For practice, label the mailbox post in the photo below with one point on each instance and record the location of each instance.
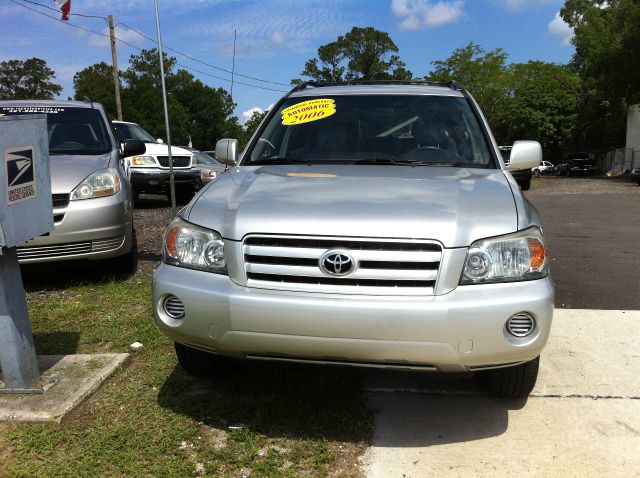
(26, 212)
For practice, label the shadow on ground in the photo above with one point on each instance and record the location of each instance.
(420, 420)
(288, 401)
(63, 275)
(423, 409)
(56, 343)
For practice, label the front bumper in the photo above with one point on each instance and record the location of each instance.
(154, 180)
(461, 331)
(98, 228)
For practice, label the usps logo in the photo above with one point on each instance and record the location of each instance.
(20, 174)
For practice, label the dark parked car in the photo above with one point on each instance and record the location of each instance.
(577, 164)
(635, 175)
(523, 176)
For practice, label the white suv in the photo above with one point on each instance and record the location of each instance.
(149, 173)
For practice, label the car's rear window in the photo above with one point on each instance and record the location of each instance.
(363, 129)
(71, 130)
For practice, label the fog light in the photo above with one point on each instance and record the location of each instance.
(521, 324)
(173, 307)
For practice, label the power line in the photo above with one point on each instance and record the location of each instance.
(200, 61)
(140, 49)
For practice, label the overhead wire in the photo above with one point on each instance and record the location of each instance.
(200, 61)
(140, 49)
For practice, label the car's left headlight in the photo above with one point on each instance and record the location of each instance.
(105, 182)
(509, 258)
(194, 247)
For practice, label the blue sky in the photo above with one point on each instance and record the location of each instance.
(275, 38)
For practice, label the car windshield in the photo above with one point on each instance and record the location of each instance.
(127, 131)
(204, 158)
(365, 129)
(581, 162)
(71, 130)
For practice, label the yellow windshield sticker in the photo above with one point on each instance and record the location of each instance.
(311, 110)
(311, 175)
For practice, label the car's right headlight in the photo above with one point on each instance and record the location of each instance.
(513, 257)
(143, 161)
(194, 247)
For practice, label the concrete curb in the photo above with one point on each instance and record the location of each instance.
(79, 376)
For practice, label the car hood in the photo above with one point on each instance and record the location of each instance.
(156, 149)
(67, 171)
(452, 205)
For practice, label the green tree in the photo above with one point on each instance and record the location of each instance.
(96, 82)
(607, 59)
(485, 75)
(27, 80)
(542, 106)
(208, 110)
(251, 125)
(361, 54)
(142, 97)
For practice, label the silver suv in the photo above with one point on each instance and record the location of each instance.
(365, 224)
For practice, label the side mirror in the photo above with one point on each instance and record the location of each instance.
(133, 147)
(525, 155)
(227, 151)
(160, 141)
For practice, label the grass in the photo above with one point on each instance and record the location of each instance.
(150, 419)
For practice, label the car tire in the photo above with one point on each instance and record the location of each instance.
(525, 185)
(135, 197)
(127, 263)
(198, 363)
(513, 382)
(536, 172)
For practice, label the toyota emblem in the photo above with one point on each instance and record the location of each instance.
(337, 263)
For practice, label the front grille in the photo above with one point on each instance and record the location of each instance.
(178, 161)
(70, 249)
(59, 200)
(385, 267)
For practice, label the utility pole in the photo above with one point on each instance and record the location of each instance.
(172, 183)
(114, 57)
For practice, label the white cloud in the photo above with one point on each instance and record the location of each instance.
(559, 29)
(520, 4)
(246, 115)
(122, 33)
(266, 29)
(420, 14)
(277, 38)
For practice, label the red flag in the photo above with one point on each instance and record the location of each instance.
(65, 7)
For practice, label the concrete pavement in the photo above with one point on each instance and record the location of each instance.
(582, 420)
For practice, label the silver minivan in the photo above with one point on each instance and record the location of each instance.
(91, 195)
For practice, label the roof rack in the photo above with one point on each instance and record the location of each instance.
(454, 85)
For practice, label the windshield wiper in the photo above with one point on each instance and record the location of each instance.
(401, 162)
